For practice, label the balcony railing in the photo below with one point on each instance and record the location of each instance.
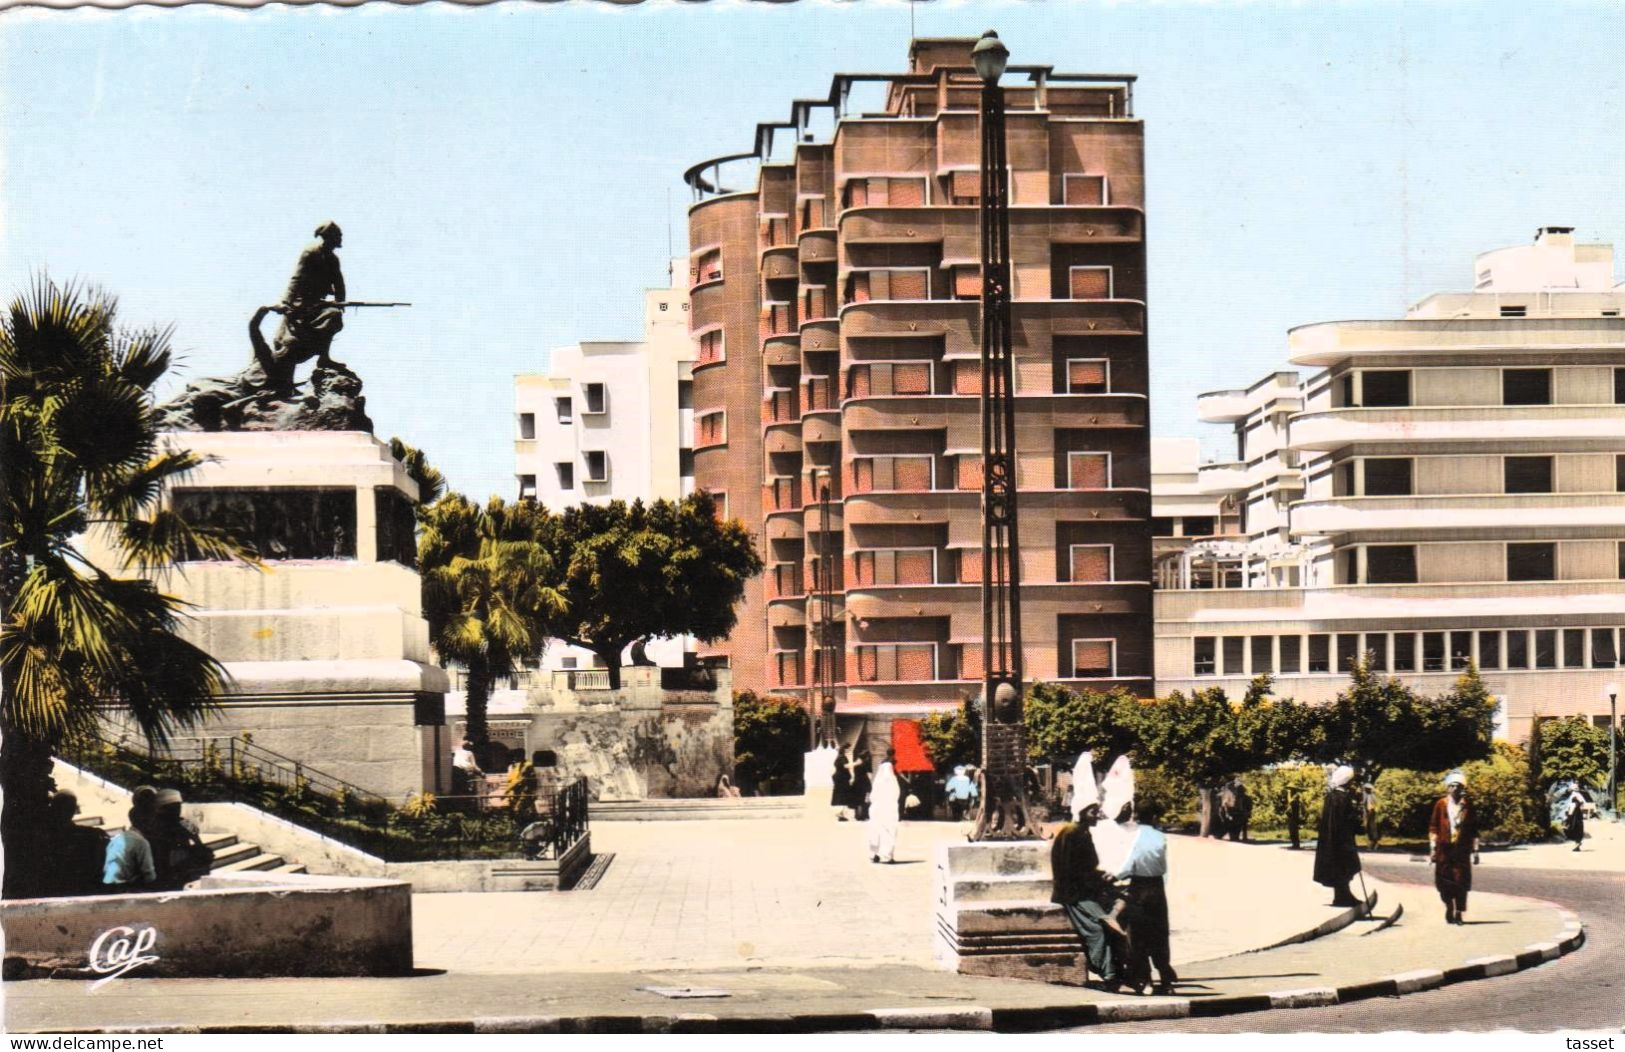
(906, 474)
(782, 494)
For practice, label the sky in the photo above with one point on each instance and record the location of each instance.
(514, 170)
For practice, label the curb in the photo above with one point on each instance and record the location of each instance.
(958, 1017)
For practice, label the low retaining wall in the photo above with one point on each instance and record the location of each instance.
(228, 924)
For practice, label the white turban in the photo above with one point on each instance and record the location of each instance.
(1117, 790)
(1456, 778)
(1084, 789)
(959, 772)
(1342, 776)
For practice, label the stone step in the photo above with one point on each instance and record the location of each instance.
(707, 809)
(218, 841)
(225, 857)
(253, 863)
(1020, 858)
(290, 867)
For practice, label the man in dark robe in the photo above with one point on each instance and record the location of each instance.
(1294, 815)
(1337, 858)
(840, 793)
(1082, 890)
(1453, 839)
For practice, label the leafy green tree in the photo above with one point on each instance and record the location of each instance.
(1573, 748)
(431, 483)
(80, 451)
(630, 572)
(953, 738)
(1062, 723)
(770, 740)
(1381, 723)
(487, 591)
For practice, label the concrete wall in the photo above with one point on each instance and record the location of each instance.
(230, 924)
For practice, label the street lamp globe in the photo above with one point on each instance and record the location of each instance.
(989, 57)
(1612, 690)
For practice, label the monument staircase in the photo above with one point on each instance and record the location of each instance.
(231, 854)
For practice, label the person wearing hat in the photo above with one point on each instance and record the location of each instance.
(1453, 840)
(129, 863)
(178, 852)
(960, 790)
(1368, 808)
(1337, 857)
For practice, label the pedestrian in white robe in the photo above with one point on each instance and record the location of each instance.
(1084, 790)
(884, 811)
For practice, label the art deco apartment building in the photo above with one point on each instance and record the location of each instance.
(1444, 488)
(836, 313)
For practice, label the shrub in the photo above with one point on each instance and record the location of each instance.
(770, 739)
(419, 806)
(1573, 748)
(952, 738)
(1175, 797)
(1498, 789)
(1405, 801)
(1268, 788)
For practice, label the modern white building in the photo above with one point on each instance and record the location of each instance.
(612, 420)
(1442, 488)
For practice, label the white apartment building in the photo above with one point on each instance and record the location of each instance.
(1443, 488)
(612, 420)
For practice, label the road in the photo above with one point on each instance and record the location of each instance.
(1582, 991)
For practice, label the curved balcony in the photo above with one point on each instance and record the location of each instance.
(1479, 511)
(1500, 424)
(781, 349)
(1221, 407)
(709, 304)
(781, 438)
(1327, 343)
(787, 613)
(909, 317)
(816, 246)
(821, 426)
(1221, 478)
(820, 334)
(783, 526)
(780, 261)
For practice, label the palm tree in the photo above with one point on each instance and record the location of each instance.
(487, 592)
(80, 451)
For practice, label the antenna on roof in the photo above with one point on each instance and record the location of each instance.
(911, 21)
(670, 272)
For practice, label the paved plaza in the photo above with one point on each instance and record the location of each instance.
(788, 925)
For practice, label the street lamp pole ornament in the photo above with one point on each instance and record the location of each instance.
(1613, 744)
(1004, 814)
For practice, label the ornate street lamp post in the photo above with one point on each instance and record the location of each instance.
(1613, 740)
(1004, 814)
(824, 585)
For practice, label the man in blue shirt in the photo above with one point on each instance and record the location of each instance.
(1147, 912)
(961, 792)
(129, 864)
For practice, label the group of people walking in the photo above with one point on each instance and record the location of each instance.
(159, 850)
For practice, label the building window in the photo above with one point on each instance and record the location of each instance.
(1489, 650)
(1198, 526)
(965, 186)
(685, 463)
(567, 475)
(1603, 654)
(897, 662)
(527, 426)
(527, 487)
(1619, 472)
(568, 662)
(1087, 376)
(1089, 283)
(1528, 474)
(1263, 655)
(564, 410)
(1376, 644)
(708, 267)
(597, 399)
(1546, 648)
(1390, 564)
(1461, 650)
(1405, 652)
(1517, 649)
(967, 282)
(1351, 566)
(1348, 652)
(1385, 387)
(1574, 648)
(1291, 655)
(1091, 563)
(1083, 190)
(1526, 387)
(1514, 312)
(1388, 477)
(1320, 653)
(1532, 562)
(1621, 560)
(711, 429)
(1094, 658)
(1088, 470)
(1205, 656)
(710, 348)
(1432, 651)
(1234, 652)
(597, 465)
(1619, 386)
(1162, 526)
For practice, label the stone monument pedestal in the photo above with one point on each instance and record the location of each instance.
(325, 642)
(994, 916)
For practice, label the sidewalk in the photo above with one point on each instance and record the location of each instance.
(853, 956)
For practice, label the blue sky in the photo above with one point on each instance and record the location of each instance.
(508, 168)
